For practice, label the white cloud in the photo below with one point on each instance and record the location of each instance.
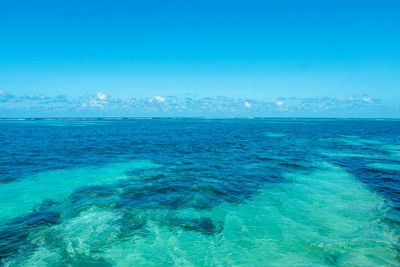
(159, 98)
(346, 99)
(102, 96)
(101, 103)
(368, 100)
(94, 103)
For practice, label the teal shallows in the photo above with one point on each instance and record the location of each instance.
(21, 197)
(211, 192)
(321, 217)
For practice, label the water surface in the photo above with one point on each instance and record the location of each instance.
(200, 192)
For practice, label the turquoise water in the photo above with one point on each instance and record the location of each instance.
(200, 192)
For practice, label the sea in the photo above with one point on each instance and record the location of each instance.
(199, 192)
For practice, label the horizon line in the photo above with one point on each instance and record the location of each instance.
(189, 117)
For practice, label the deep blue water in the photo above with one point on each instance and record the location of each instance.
(200, 192)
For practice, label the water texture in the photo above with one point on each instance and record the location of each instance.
(200, 192)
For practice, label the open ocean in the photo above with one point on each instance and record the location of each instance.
(200, 192)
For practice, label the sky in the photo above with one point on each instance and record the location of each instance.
(200, 58)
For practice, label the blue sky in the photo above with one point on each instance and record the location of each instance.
(275, 54)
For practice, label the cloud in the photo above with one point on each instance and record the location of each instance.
(159, 98)
(367, 99)
(101, 96)
(102, 104)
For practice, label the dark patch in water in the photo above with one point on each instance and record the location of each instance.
(292, 165)
(85, 261)
(99, 196)
(13, 235)
(132, 223)
(203, 225)
(45, 205)
(331, 258)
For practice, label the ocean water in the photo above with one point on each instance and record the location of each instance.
(200, 192)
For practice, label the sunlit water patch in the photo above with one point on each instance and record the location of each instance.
(386, 166)
(21, 197)
(275, 134)
(352, 140)
(353, 155)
